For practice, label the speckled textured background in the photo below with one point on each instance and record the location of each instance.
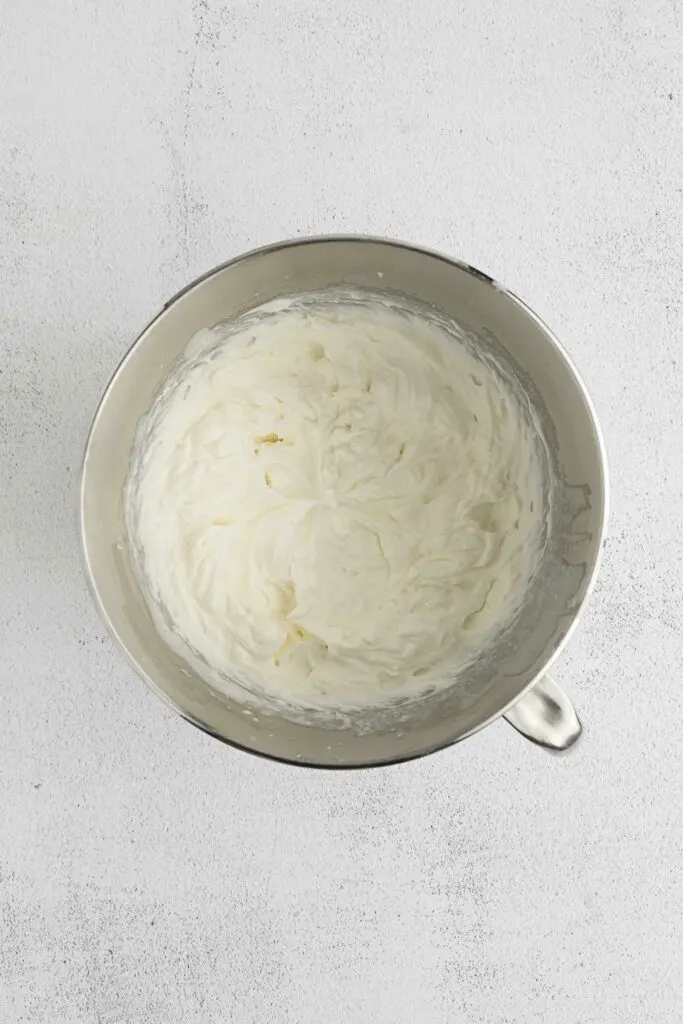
(150, 876)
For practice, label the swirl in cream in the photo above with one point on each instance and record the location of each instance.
(337, 504)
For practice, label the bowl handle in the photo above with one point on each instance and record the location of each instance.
(545, 716)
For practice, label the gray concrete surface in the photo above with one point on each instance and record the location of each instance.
(149, 876)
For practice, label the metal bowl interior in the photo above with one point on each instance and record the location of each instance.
(514, 661)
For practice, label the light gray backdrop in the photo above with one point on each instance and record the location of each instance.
(150, 876)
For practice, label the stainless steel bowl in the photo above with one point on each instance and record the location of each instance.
(510, 677)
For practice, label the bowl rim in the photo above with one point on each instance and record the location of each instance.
(356, 239)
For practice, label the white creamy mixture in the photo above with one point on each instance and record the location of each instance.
(338, 504)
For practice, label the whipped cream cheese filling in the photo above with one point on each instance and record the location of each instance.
(336, 504)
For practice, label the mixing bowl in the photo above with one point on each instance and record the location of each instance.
(509, 677)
